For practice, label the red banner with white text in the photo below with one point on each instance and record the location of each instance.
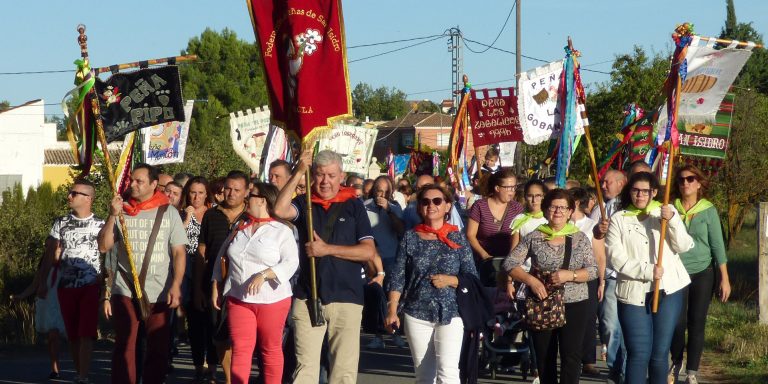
(303, 50)
(493, 116)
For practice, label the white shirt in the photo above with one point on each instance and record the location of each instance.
(586, 226)
(611, 206)
(272, 246)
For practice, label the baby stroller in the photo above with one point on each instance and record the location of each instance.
(505, 339)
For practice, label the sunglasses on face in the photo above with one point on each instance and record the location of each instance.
(435, 201)
(690, 179)
(75, 193)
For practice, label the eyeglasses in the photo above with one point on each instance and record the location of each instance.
(75, 193)
(510, 187)
(435, 200)
(690, 179)
(640, 191)
(254, 195)
(559, 208)
(534, 197)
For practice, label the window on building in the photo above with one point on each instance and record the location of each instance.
(406, 139)
(443, 139)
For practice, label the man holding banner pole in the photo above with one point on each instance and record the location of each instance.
(342, 244)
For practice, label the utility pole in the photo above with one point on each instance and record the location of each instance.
(457, 65)
(519, 166)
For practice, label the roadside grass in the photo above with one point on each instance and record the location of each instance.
(736, 343)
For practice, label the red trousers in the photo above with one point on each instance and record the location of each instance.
(249, 323)
(126, 324)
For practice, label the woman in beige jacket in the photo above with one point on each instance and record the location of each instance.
(632, 250)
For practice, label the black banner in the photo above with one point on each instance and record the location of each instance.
(139, 99)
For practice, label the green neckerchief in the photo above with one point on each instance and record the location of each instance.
(517, 224)
(635, 211)
(569, 229)
(688, 215)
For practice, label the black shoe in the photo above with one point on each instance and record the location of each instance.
(53, 376)
(590, 370)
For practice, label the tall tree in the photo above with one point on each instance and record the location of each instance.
(378, 104)
(754, 75)
(227, 77)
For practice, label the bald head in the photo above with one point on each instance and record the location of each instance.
(639, 166)
(612, 183)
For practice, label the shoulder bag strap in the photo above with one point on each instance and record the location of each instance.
(568, 250)
(503, 217)
(151, 243)
(222, 253)
(333, 214)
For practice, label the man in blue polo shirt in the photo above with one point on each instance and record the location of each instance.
(340, 253)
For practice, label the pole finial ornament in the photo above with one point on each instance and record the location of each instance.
(82, 40)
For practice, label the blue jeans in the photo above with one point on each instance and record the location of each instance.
(610, 330)
(648, 336)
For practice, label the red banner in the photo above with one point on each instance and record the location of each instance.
(494, 118)
(304, 54)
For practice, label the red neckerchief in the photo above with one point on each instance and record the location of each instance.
(133, 207)
(250, 220)
(345, 193)
(442, 233)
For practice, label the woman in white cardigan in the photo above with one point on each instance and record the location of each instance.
(632, 246)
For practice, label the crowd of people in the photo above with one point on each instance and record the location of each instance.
(234, 262)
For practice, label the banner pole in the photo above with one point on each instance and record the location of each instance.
(136, 64)
(314, 306)
(93, 96)
(727, 42)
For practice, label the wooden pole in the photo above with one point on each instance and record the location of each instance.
(519, 148)
(316, 317)
(83, 41)
(762, 251)
(136, 64)
(667, 189)
(727, 42)
(590, 148)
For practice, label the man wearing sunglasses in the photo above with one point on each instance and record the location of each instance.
(79, 264)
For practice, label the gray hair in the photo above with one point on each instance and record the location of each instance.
(326, 157)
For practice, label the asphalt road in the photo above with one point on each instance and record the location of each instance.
(390, 365)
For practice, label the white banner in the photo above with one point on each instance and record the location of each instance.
(353, 143)
(507, 153)
(166, 143)
(249, 133)
(537, 103)
(710, 74)
(276, 148)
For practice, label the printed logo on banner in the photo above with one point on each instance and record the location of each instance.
(353, 143)
(166, 143)
(494, 118)
(138, 99)
(538, 101)
(249, 133)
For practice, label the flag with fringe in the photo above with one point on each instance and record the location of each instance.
(78, 110)
(571, 107)
(303, 50)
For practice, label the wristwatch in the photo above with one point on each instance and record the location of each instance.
(263, 274)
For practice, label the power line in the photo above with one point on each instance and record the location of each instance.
(394, 50)
(526, 56)
(448, 89)
(393, 41)
(36, 72)
(500, 31)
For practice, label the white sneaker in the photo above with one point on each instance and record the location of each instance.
(376, 343)
(691, 379)
(398, 341)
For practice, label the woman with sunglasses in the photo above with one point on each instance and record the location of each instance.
(431, 257)
(489, 228)
(632, 245)
(528, 221)
(703, 223)
(546, 248)
(259, 263)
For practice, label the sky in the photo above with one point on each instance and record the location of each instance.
(42, 37)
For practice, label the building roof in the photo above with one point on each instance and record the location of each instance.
(11, 108)
(420, 119)
(64, 156)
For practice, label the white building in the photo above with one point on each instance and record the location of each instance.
(24, 135)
